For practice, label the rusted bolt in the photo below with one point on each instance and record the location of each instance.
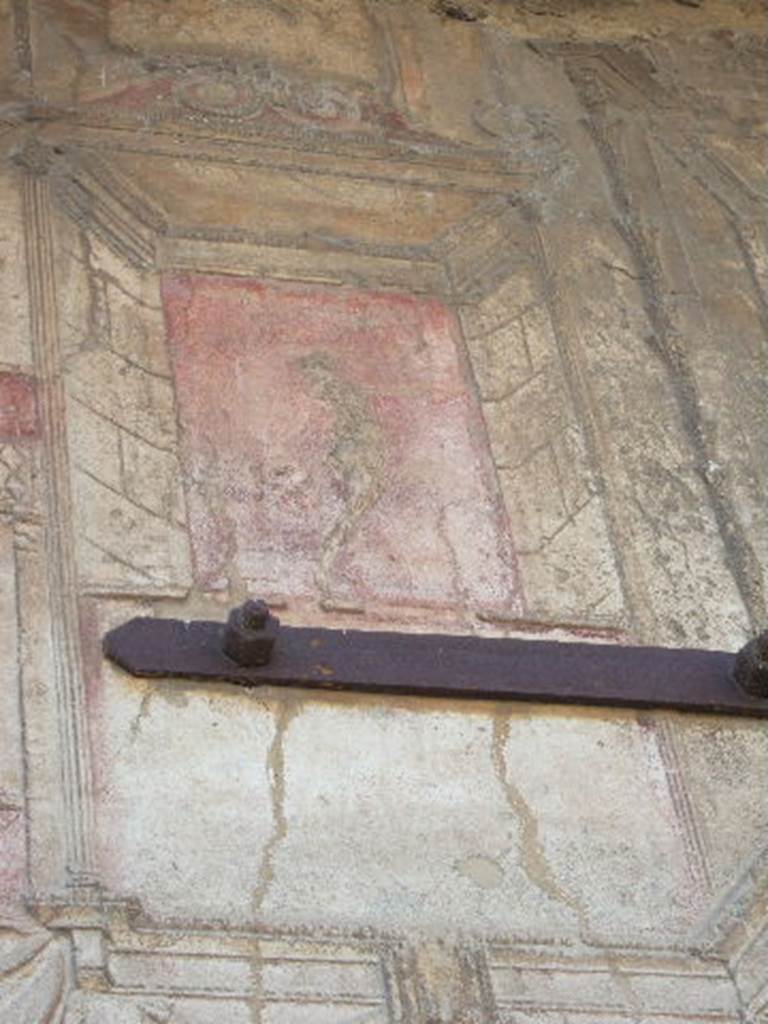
(751, 668)
(254, 614)
(250, 634)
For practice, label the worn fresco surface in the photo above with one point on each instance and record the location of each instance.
(403, 315)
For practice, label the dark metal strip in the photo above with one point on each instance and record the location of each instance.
(444, 666)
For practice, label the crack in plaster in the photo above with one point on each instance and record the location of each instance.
(533, 858)
(142, 713)
(275, 769)
(286, 711)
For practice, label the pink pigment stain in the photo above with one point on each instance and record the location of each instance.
(18, 408)
(333, 447)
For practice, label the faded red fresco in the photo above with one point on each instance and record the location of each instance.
(18, 408)
(333, 448)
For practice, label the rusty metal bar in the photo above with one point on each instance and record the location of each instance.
(433, 665)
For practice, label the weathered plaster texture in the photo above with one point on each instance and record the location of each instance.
(407, 315)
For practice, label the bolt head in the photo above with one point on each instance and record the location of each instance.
(254, 614)
(250, 634)
(751, 668)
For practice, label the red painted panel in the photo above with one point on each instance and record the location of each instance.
(18, 408)
(333, 447)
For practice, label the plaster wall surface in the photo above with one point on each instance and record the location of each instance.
(445, 317)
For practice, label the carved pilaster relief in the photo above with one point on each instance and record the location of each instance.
(58, 527)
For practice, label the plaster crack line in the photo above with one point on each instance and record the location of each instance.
(533, 859)
(275, 769)
(141, 714)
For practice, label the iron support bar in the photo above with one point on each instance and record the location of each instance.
(433, 665)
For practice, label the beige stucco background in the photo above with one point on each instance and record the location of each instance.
(406, 315)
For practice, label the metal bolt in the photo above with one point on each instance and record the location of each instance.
(250, 634)
(751, 668)
(254, 614)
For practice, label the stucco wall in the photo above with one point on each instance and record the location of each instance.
(445, 317)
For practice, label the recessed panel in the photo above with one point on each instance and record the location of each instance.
(333, 449)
